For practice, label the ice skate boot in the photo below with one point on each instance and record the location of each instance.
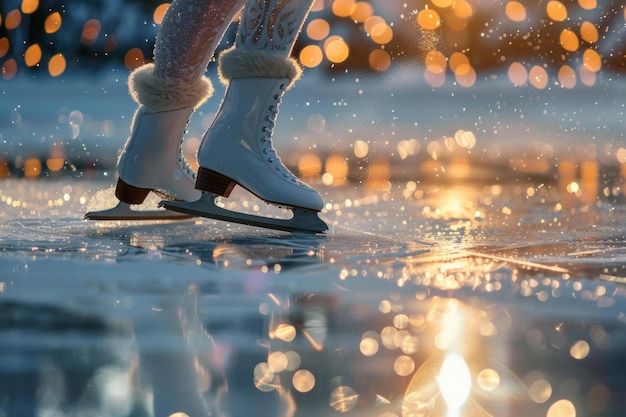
(152, 159)
(237, 149)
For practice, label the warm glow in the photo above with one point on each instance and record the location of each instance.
(318, 29)
(589, 32)
(309, 165)
(53, 22)
(428, 19)
(372, 21)
(9, 69)
(343, 8)
(443, 3)
(435, 62)
(336, 170)
(318, 6)
(381, 33)
(336, 49)
(458, 62)
(515, 11)
(455, 383)
(4, 46)
(488, 380)
(588, 4)
(556, 11)
(592, 60)
(465, 75)
(586, 76)
(91, 30)
(517, 74)
(567, 76)
(569, 40)
(562, 408)
(362, 11)
(538, 77)
(379, 60)
(361, 149)
(32, 168)
(12, 19)
(55, 164)
(32, 55)
(462, 9)
(311, 56)
(134, 58)
(159, 13)
(303, 380)
(56, 65)
(30, 6)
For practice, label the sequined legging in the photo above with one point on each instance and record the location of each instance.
(192, 30)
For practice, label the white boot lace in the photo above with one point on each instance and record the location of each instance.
(266, 139)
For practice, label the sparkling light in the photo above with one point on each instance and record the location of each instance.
(455, 383)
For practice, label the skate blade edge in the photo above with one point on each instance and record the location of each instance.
(302, 220)
(123, 211)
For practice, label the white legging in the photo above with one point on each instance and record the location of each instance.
(192, 30)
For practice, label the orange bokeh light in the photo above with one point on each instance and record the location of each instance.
(381, 33)
(30, 6)
(515, 11)
(91, 30)
(32, 55)
(343, 8)
(134, 58)
(5, 45)
(53, 22)
(12, 19)
(428, 19)
(567, 76)
(435, 62)
(318, 29)
(379, 60)
(362, 11)
(159, 13)
(57, 65)
(556, 11)
(9, 69)
(336, 49)
(592, 60)
(311, 56)
(538, 77)
(569, 40)
(589, 32)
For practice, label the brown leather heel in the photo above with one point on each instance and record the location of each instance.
(213, 182)
(130, 194)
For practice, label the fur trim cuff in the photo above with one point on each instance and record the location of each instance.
(158, 94)
(241, 62)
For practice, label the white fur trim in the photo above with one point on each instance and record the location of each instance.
(158, 94)
(240, 62)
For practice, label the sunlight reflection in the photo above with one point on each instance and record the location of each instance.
(455, 383)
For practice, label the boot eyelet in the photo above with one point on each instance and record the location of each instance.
(270, 160)
(263, 139)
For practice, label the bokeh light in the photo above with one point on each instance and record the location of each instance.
(52, 23)
(318, 29)
(311, 56)
(29, 6)
(13, 19)
(32, 55)
(429, 19)
(336, 49)
(379, 60)
(57, 65)
(515, 11)
(159, 13)
(556, 11)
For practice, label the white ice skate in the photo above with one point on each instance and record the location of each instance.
(152, 159)
(237, 149)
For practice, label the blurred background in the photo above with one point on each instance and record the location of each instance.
(531, 39)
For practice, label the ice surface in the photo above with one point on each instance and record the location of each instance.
(361, 320)
(505, 257)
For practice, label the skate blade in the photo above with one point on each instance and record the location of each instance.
(123, 211)
(302, 220)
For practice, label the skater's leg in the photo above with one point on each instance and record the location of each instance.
(167, 93)
(237, 148)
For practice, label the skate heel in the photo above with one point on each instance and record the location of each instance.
(130, 194)
(213, 182)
